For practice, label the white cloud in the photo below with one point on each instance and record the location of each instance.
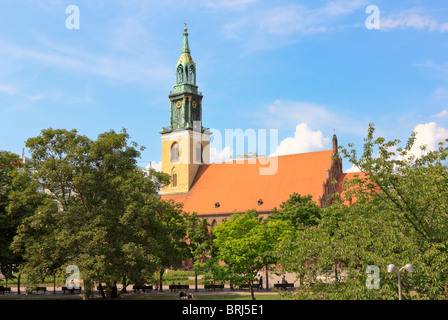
(341, 7)
(281, 113)
(304, 140)
(125, 68)
(444, 27)
(8, 89)
(412, 21)
(220, 156)
(442, 114)
(228, 3)
(442, 69)
(275, 26)
(428, 134)
(353, 169)
(413, 18)
(440, 94)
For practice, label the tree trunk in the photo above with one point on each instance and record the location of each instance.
(87, 289)
(54, 283)
(267, 279)
(109, 289)
(251, 287)
(195, 281)
(18, 282)
(161, 272)
(336, 272)
(124, 290)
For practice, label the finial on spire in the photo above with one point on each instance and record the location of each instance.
(185, 47)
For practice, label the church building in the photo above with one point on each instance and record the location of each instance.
(216, 191)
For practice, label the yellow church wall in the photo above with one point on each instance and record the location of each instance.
(185, 168)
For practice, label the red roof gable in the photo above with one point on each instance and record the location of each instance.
(237, 187)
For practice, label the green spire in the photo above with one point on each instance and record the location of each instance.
(185, 47)
(185, 69)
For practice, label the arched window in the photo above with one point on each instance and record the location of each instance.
(192, 75)
(186, 74)
(175, 152)
(180, 75)
(214, 223)
(198, 152)
(173, 178)
(178, 116)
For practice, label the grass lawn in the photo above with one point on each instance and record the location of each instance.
(178, 276)
(212, 297)
(229, 297)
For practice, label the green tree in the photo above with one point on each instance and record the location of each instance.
(171, 236)
(333, 257)
(411, 182)
(99, 210)
(9, 163)
(398, 216)
(246, 244)
(300, 211)
(199, 242)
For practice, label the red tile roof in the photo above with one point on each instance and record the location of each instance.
(347, 177)
(238, 187)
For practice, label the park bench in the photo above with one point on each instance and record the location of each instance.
(174, 287)
(137, 288)
(246, 286)
(5, 289)
(36, 289)
(284, 286)
(214, 286)
(71, 290)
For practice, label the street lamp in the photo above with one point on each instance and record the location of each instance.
(392, 268)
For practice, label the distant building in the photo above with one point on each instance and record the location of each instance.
(250, 155)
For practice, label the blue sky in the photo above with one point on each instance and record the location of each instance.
(305, 68)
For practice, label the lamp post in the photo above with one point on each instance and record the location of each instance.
(391, 268)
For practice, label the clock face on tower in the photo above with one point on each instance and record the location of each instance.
(178, 104)
(194, 104)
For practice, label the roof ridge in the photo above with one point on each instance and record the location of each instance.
(279, 156)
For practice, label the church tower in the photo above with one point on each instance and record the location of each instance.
(185, 143)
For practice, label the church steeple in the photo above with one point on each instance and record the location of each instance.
(185, 100)
(185, 143)
(185, 47)
(185, 68)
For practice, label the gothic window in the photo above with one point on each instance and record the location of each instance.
(178, 115)
(186, 74)
(180, 75)
(175, 152)
(198, 152)
(173, 178)
(192, 76)
(214, 223)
